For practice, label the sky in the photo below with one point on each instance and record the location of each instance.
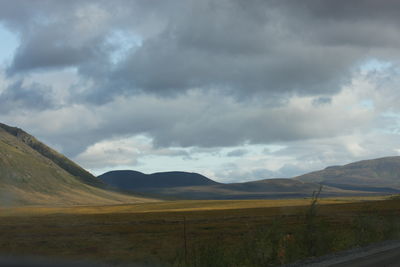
(234, 90)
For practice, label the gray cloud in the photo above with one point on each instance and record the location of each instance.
(261, 48)
(50, 37)
(237, 153)
(18, 96)
(34, 55)
(243, 50)
(197, 119)
(265, 48)
(321, 101)
(204, 74)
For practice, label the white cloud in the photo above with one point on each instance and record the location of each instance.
(111, 153)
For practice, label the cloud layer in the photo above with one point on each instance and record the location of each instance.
(309, 75)
(268, 48)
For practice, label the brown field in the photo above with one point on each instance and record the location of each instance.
(153, 232)
(174, 206)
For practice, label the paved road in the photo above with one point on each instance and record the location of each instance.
(389, 258)
(385, 254)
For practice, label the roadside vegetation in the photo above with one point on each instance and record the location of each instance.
(203, 233)
(287, 239)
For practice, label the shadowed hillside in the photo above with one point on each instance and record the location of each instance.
(131, 180)
(368, 177)
(32, 173)
(379, 175)
(183, 185)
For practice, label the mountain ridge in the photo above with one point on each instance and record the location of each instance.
(371, 173)
(27, 177)
(128, 179)
(33, 173)
(52, 155)
(381, 176)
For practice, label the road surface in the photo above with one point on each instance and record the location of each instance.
(385, 254)
(389, 258)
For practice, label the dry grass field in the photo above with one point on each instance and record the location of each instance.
(153, 233)
(175, 206)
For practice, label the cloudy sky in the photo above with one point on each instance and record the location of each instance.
(235, 90)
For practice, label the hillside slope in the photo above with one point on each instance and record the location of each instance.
(47, 152)
(264, 189)
(381, 174)
(33, 174)
(131, 180)
(195, 186)
(367, 177)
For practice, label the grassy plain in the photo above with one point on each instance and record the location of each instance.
(154, 232)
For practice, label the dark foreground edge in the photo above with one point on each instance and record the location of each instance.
(379, 254)
(27, 261)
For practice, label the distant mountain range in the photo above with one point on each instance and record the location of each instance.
(131, 180)
(32, 173)
(368, 177)
(378, 175)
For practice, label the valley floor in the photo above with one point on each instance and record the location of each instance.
(261, 231)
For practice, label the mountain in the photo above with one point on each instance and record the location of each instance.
(32, 173)
(264, 189)
(379, 175)
(182, 185)
(131, 180)
(368, 177)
